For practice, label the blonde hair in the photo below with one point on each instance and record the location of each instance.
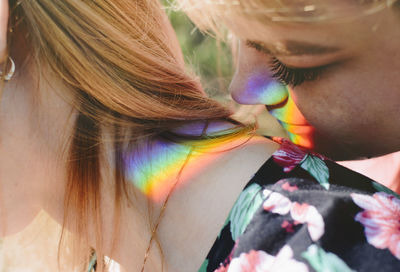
(209, 15)
(123, 76)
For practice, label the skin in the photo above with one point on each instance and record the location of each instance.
(352, 105)
(35, 126)
(3, 30)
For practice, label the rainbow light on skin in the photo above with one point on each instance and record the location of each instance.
(262, 88)
(293, 121)
(154, 167)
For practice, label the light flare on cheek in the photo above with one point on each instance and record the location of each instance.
(292, 120)
(288, 112)
(262, 89)
(303, 136)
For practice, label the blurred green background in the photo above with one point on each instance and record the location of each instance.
(206, 57)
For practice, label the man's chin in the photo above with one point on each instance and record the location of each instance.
(337, 152)
(344, 151)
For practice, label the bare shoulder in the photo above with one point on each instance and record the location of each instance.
(199, 204)
(237, 166)
(205, 202)
(225, 173)
(251, 155)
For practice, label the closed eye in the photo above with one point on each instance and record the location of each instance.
(293, 76)
(284, 74)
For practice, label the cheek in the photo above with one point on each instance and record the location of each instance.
(329, 109)
(348, 115)
(354, 96)
(336, 103)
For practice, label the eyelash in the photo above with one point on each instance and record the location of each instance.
(293, 76)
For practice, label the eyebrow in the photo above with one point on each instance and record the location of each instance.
(292, 48)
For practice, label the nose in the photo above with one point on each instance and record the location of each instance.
(257, 88)
(253, 82)
(260, 88)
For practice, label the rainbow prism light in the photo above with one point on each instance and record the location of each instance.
(262, 88)
(155, 167)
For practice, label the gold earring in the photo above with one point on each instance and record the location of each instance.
(10, 73)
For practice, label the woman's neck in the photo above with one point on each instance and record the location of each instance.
(35, 124)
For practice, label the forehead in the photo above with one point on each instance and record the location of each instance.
(290, 10)
(254, 16)
(340, 33)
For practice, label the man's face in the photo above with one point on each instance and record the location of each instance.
(343, 98)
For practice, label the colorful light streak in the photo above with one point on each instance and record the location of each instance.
(154, 167)
(293, 121)
(261, 88)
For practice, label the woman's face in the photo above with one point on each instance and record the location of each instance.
(344, 77)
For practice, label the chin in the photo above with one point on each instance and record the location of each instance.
(344, 151)
(354, 149)
(338, 154)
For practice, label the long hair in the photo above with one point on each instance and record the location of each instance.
(123, 77)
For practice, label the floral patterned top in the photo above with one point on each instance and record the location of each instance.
(302, 212)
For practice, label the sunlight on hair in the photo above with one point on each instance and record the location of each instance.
(209, 14)
(122, 75)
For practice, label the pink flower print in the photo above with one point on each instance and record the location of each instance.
(288, 155)
(260, 261)
(308, 214)
(301, 213)
(287, 226)
(284, 262)
(286, 186)
(252, 261)
(276, 203)
(381, 220)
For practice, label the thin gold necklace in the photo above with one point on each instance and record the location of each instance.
(162, 211)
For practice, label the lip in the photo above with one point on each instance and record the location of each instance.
(297, 129)
(288, 113)
(293, 122)
(300, 134)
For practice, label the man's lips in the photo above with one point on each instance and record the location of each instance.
(293, 121)
(287, 112)
(297, 129)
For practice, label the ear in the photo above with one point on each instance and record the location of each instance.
(4, 13)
